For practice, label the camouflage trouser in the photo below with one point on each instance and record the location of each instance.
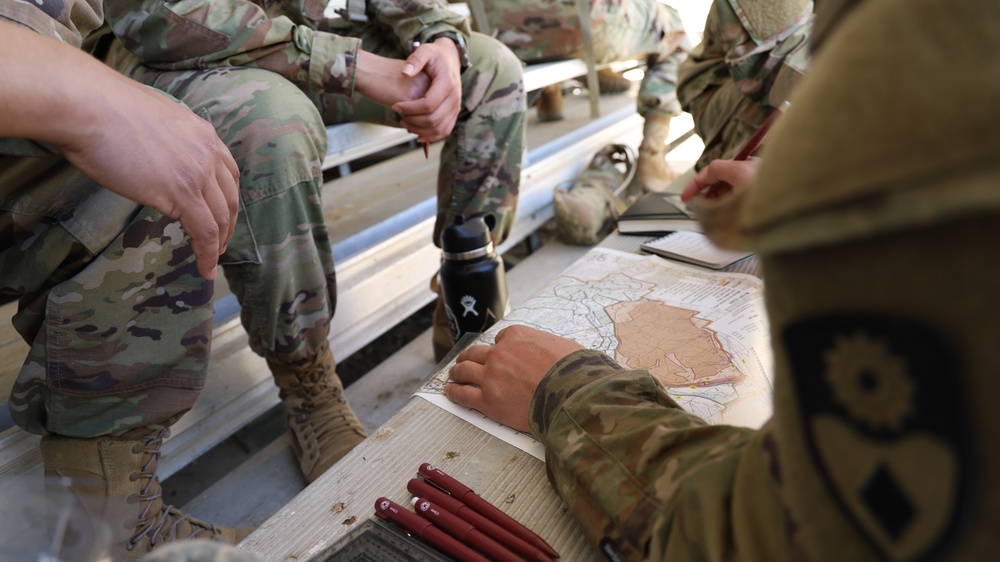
(481, 159)
(119, 321)
(89, 371)
(546, 30)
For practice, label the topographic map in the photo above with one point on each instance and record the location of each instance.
(702, 334)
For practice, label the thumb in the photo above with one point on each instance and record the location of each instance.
(414, 63)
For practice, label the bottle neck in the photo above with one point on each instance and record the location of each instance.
(470, 254)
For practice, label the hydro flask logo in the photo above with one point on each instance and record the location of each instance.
(469, 303)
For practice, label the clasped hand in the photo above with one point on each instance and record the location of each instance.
(425, 90)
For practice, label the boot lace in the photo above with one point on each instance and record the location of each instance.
(161, 523)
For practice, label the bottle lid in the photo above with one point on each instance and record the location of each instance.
(468, 234)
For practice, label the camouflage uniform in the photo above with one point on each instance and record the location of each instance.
(752, 55)
(547, 30)
(481, 159)
(883, 314)
(89, 371)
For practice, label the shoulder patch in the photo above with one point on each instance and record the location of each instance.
(881, 402)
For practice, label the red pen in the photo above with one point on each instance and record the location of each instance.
(463, 531)
(422, 489)
(416, 525)
(427, 150)
(464, 494)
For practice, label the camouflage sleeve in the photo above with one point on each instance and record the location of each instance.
(195, 34)
(71, 21)
(647, 480)
(417, 19)
(743, 70)
(705, 69)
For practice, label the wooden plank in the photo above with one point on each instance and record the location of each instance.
(345, 495)
(272, 474)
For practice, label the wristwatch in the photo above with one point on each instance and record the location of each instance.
(459, 40)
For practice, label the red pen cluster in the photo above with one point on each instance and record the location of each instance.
(450, 517)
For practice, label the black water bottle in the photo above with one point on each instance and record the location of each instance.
(472, 276)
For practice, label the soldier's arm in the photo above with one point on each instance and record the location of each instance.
(644, 478)
(104, 123)
(647, 480)
(196, 34)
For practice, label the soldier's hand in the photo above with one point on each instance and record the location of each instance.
(382, 80)
(499, 380)
(722, 185)
(156, 152)
(433, 116)
(720, 178)
(131, 139)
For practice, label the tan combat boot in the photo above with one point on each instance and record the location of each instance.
(323, 425)
(550, 104)
(612, 82)
(122, 471)
(651, 169)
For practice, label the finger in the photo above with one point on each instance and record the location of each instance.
(428, 128)
(441, 92)
(502, 334)
(415, 63)
(467, 372)
(215, 198)
(705, 178)
(476, 353)
(231, 188)
(204, 233)
(692, 189)
(465, 395)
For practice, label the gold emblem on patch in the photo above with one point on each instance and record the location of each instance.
(869, 381)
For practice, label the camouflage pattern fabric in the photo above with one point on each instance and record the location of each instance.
(883, 315)
(278, 263)
(586, 211)
(547, 30)
(742, 70)
(70, 21)
(111, 303)
(481, 159)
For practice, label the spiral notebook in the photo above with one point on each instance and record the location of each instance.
(695, 248)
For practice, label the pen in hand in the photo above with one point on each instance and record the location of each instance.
(751, 146)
